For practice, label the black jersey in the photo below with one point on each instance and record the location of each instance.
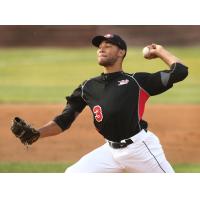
(117, 100)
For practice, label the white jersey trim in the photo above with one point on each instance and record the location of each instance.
(137, 82)
(138, 96)
(82, 87)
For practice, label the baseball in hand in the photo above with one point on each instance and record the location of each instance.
(146, 52)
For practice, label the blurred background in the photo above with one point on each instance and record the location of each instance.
(80, 36)
(41, 65)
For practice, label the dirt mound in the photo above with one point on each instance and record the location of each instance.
(177, 126)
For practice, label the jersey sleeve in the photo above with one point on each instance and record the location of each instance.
(75, 104)
(76, 100)
(161, 81)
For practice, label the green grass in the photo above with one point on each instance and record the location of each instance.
(187, 168)
(33, 167)
(60, 168)
(37, 75)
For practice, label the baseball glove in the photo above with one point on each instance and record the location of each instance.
(24, 131)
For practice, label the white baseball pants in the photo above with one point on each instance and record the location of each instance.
(145, 155)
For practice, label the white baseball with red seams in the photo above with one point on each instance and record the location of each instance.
(146, 52)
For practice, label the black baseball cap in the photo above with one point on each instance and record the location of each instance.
(112, 38)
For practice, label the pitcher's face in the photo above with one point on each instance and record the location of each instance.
(108, 54)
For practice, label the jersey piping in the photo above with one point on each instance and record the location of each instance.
(143, 96)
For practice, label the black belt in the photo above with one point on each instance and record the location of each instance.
(119, 145)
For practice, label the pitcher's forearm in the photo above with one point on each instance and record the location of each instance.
(168, 57)
(158, 51)
(50, 129)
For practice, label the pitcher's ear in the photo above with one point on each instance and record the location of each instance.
(122, 52)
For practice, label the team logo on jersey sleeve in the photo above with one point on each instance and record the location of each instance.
(123, 82)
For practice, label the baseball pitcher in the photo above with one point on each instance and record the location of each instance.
(117, 100)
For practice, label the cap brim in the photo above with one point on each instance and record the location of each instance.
(96, 41)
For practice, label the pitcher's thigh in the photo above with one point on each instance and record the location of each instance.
(151, 158)
(99, 160)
